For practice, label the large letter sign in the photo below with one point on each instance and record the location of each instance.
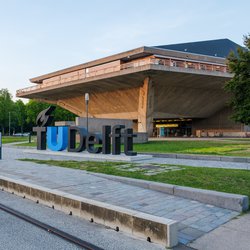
(72, 139)
(59, 138)
(43, 120)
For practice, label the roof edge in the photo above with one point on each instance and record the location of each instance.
(185, 55)
(146, 50)
(96, 62)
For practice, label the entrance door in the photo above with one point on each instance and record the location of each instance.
(173, 127)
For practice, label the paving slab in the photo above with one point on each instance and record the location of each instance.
(235, 202)
(191, 214)
(195, 217)
(87, 156)
(202, 157)
(212, 163)
(230, 236)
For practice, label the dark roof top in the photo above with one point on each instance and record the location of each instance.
(219, 47)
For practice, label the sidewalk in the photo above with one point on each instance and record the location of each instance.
(195, 218)
(201, 157)
(197, 162)
(230, 236)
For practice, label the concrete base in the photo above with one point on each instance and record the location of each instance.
(236, 202)
(160, 230)
(202, 157)
(87, 156)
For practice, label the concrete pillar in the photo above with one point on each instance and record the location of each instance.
(146, 107)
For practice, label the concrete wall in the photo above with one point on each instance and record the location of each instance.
(220, 121)
(65, 123)
(247, 128)
(219, 124)
(95, 126)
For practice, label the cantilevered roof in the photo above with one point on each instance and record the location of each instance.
(218, 48)
(214, 51)
(130, 55)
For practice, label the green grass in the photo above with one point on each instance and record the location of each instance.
(224, 180)
(226, 148)
(27, 144)
(11, 139)
(216, 147)
(238, 139)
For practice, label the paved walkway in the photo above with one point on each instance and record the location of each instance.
(202, 163)
(195, 218)
(230, 236)
(173, 161)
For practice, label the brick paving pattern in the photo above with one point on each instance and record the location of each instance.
(195, 218)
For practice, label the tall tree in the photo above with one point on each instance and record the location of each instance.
(63, 115)
(33, 108)
(20, 114)
(6, 109)
(239, 85)
(23, 116)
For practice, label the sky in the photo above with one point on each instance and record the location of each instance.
(42, 36)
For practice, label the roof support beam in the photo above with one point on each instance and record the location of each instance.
(66, 105)
(146, 107)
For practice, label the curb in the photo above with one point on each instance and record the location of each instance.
(19, 147)
(201, 157)
(160, 230)
(87, 156)
(234, 202)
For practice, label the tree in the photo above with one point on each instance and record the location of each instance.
(239, 85)
(6, 108)
(20, 114)
(23, 116)
(33, 108)
(63, 115)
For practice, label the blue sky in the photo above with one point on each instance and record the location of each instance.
(41, 36)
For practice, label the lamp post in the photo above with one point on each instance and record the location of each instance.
(87, 109)
(0, 146)
(9, 123)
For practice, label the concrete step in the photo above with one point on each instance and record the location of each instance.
(156, 229)
(87, 156)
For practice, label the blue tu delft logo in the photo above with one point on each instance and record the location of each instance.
(58, 138)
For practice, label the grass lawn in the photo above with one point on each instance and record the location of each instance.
(27, 144)
(238, 139)
(10, 139)
(224, 180)
(216, 147)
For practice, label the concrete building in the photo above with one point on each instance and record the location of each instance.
(169, 90)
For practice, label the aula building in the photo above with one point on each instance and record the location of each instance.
(164, 91)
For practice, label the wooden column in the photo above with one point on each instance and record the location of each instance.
(146, 107)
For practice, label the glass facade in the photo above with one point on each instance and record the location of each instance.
(172, 127)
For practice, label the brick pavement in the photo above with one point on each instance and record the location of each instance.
(195, 218)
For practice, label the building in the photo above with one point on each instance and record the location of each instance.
(168, 90)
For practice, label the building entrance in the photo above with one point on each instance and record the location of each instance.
(172, 127)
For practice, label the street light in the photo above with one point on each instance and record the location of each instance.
(9, 123)
(87, 109)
